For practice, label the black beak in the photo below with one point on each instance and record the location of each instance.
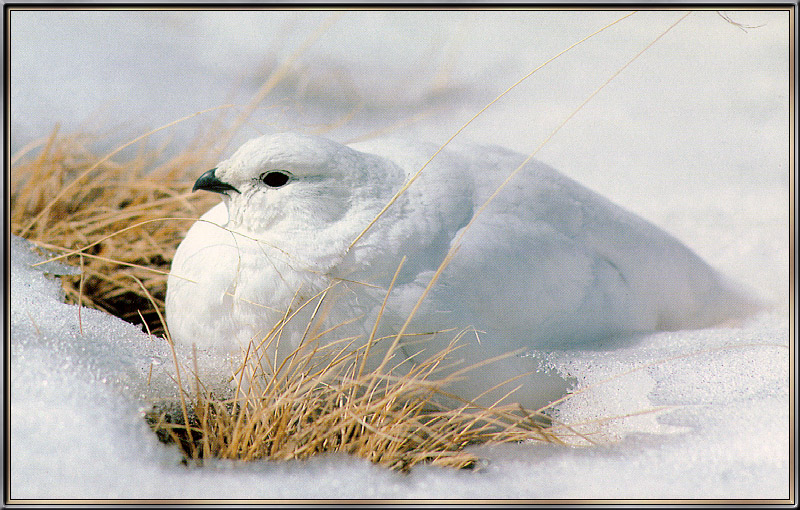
(209, 182)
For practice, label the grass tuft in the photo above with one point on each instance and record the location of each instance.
(63, 200)
(321, 400)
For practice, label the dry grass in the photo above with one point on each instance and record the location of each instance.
(321, 399)
(65, 197)
(121, 219)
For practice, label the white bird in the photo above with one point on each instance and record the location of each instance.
(548, 264)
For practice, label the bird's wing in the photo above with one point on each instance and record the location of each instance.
(551, 263)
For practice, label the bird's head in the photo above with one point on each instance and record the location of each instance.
(290, 182)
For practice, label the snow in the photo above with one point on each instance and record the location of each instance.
(692, 136)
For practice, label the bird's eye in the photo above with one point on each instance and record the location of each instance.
(275, 179)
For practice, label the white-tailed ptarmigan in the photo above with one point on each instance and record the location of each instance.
(548, 264)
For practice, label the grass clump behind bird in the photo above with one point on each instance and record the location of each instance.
(121, 218)
(118, 216)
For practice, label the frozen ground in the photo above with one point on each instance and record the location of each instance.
(693, 136)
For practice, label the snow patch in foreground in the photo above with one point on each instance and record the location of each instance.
(77, 427)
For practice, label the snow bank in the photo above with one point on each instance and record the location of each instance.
(78, 430)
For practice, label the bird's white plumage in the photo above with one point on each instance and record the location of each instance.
(547, 265)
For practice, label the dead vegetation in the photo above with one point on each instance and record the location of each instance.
(321, 400)
(122, 214)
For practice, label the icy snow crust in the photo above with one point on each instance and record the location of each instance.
(700, 413)
(78, 400)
